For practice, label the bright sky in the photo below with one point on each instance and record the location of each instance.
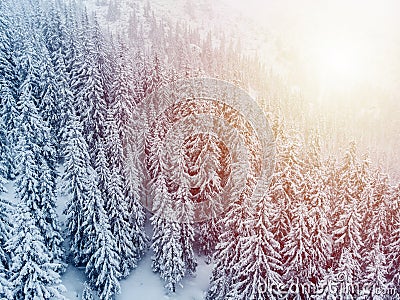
(335, 45)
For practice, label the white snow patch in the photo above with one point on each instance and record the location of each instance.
(144, 284)
(73, 280)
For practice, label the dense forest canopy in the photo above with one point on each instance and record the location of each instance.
(69, 97)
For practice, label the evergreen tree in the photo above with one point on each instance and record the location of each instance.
(92, 243)
(297, 253)
(348, 222)
(208, 242)
(348, 272)
(100, 52)
(316, 195)
(132, 196)
(77, 67)
(117, 211)
(99, 248)
(87, 293)
(49, 102)
(203, 167)
(376, 238)
(7, 37)
(376, 273)
(168, 254)
(35, 183)
(287, 182)
(94, 116)
(75, 183)
(117, 205)
(161, 199)
(9, 115)
(34, 276)
(51, 227)
(394, 253)
(101, 167)
(259, 269)
(114, 142)
(230, 248)
(379, 217)
(183, 206)
(65, 96)
(328, 286)
(348, 230)
(347, 236)
(123, 92)
(56, 37)
(5, 233)
(171, 259)
(88, 85)
(321, 236)
(353, 185)
(347, 177)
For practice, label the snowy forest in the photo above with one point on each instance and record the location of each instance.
(72, 171)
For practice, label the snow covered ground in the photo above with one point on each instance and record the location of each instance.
(146, 285)
(143, 284)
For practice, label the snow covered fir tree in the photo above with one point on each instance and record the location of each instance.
(76, 175)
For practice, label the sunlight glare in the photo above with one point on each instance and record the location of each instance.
(340, 62)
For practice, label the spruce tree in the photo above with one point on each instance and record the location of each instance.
(393, 249)
(117, 211)
(316, 195)
(87, 293)
(56, 37)
(321, 236)
(354, 190)
(49, 103)
(92, 243)
(348, 271)
(75, 181)
(34, 275)
(258, 275)
(51, 227)
(297, 253)
(328, 286)
(7, 38)
(123, 92)
(166, 245)
(7, 133)
(347, 237)
(161, 199)
(173, 266)
(100, 253)
(117, 203)
(376, 239)
(202, 167)
(230, 248)
(132, 196)
(185, 213)
(5, 234)
(376, 273)
(101, 166)
(286, 187)
(179, 188)
(35, 183)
